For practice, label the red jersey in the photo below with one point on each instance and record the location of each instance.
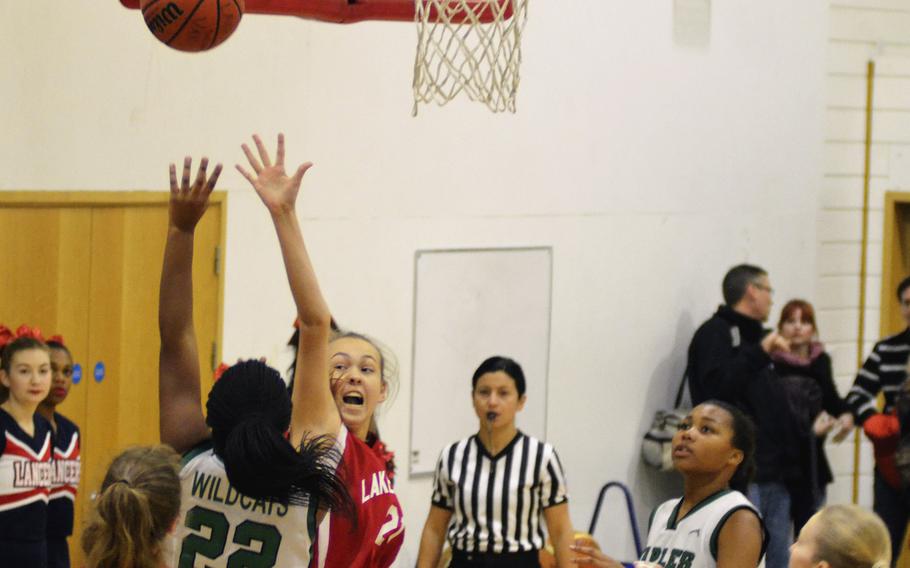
(379, 533)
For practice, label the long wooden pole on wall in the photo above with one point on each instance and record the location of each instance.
(861, 335)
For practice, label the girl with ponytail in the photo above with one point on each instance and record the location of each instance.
(134, 510)
(712, 525)
(257, 466)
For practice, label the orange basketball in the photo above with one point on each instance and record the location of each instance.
(192, 25)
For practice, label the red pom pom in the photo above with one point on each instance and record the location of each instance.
(881, 427)
(6, 336)
(26, 331)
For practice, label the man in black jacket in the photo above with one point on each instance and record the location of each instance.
(729, 360)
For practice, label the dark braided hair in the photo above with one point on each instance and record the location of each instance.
(249, 412)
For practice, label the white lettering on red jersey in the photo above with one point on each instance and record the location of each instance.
(379, 533)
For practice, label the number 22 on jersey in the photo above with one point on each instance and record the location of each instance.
(392, 526)
(265, 538)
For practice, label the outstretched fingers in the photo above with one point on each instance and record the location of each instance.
(298, 177)
(254, 163)
(173, 172)
(199, 182)
(279, 153)
(185, 179)
(249, 177)
(263, 153)
(210, 185)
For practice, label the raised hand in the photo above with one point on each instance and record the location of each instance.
(275, 188)
(189, 202)
(775, 342)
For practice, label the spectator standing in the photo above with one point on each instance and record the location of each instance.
(730, 360)
(808, 377)
(884, 371)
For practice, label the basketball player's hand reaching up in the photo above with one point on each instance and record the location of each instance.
(277, 190)
(189, 202)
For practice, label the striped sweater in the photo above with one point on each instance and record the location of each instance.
(884, 371)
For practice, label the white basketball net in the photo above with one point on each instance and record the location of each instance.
(458, 52)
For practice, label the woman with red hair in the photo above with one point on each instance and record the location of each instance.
(805, 371)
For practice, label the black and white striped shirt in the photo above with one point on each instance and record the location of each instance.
(884, 370)
(497, 501)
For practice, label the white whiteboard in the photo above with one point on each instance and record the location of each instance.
(470, 305)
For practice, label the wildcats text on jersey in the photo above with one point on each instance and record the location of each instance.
(210, 488)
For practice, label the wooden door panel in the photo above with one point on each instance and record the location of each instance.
(45, 283)
(143, 236)
(96, 282)
(45, 257)
(73, 261)
(207, 293)
(72, 311)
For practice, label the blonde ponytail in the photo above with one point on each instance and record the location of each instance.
(137, 505)
(849, 536)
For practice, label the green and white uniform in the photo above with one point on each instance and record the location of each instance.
(691, 542)
(219, 527)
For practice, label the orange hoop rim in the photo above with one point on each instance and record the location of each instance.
(345, 12)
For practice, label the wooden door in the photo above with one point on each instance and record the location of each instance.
(96, 282)
(51, 293)
(895, 267)
(895, 260)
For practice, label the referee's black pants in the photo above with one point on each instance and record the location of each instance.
(528, 559)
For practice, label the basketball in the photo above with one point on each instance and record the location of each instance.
(192, 25)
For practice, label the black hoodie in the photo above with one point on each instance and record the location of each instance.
(726, 362)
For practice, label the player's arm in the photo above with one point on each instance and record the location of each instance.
(739, 544)
(181, 423)
(559, 527)
(314, 409)
(433, 537)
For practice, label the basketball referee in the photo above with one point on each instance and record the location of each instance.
(491, 489)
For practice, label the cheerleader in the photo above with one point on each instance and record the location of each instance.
(66, 456)
(25, 452)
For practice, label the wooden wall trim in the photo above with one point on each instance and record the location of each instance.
(91, 198)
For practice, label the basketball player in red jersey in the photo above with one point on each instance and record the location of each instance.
(358, 382)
